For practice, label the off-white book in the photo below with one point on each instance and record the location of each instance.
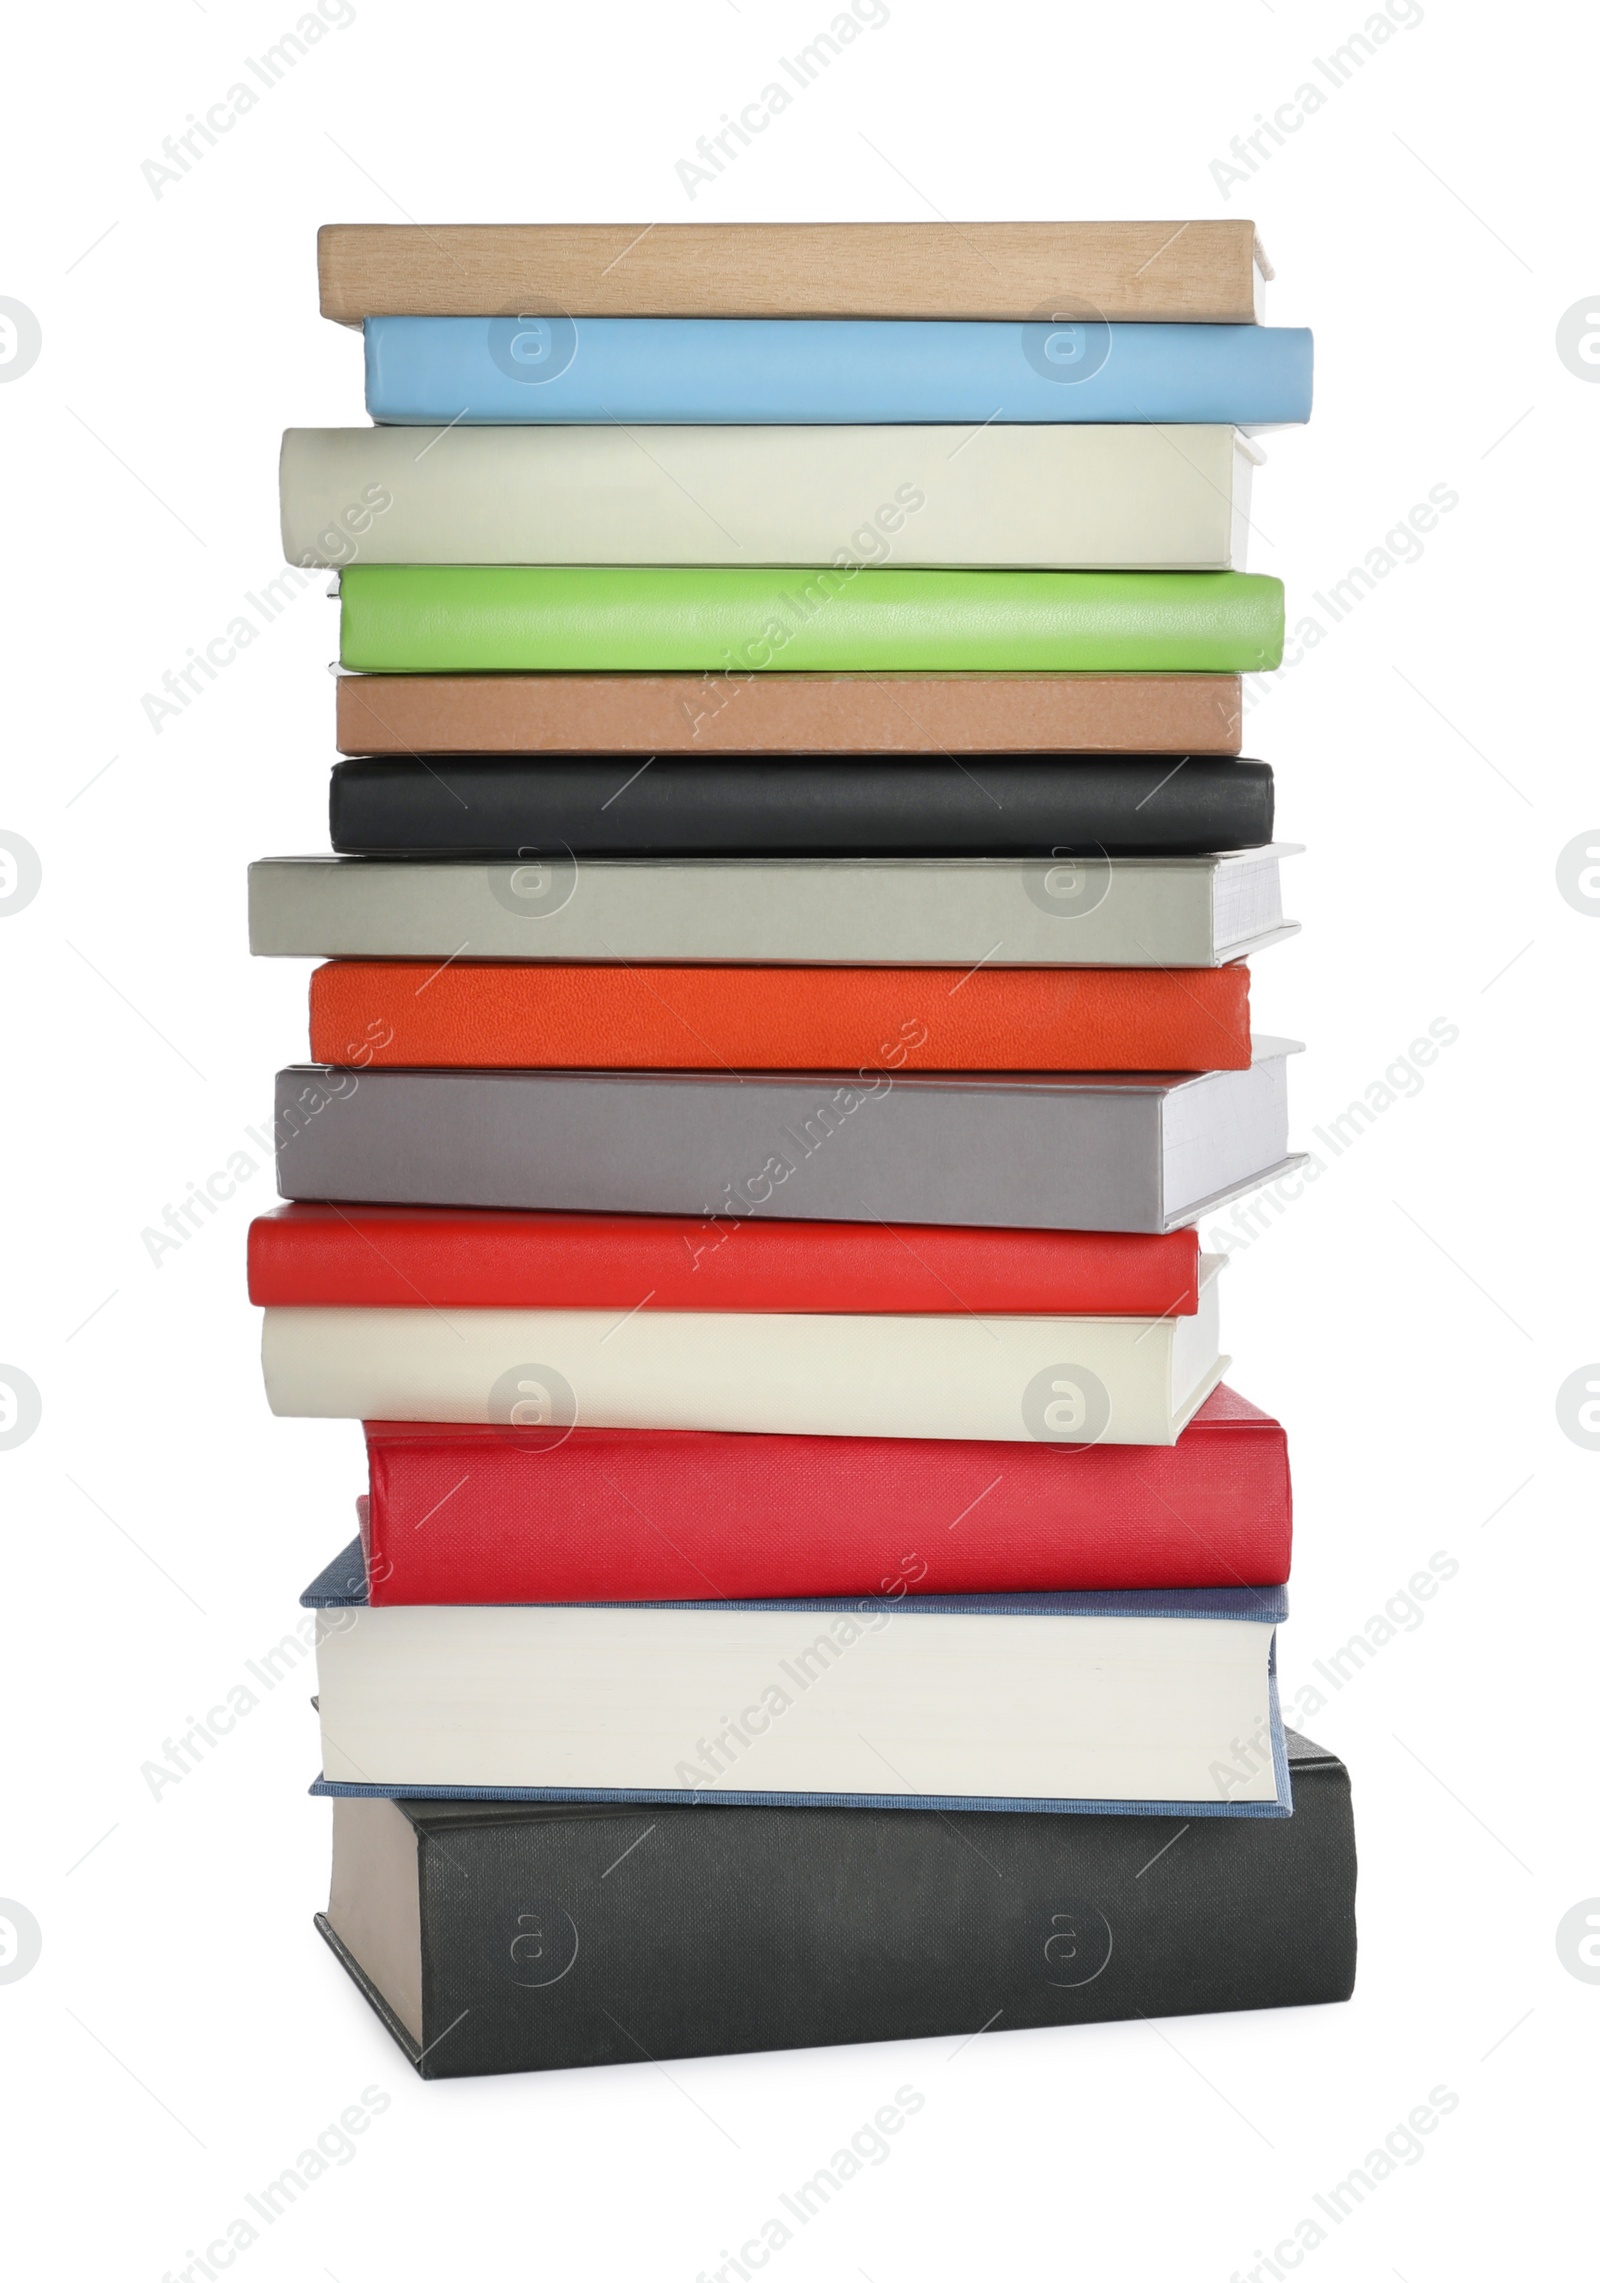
(538, 1371)
(1048, 495)
(1070, 911)
(883, 1704)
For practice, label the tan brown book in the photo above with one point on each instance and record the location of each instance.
(1145, 272)
(788, 713)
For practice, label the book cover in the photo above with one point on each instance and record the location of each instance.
(329, 1256)
(422, 618)
(912, 805)
(1056, 1704)
(492, 1938)
(1063, 911)
(498, 1015)
(1113, 1150)
(616, 1514)
(774, 713)
(1130, 498)
(1193, 272)
(835, 373)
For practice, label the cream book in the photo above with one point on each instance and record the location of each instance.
(1072, 911)
(1052, 1379)
(1038, 495)
(1136, 1703)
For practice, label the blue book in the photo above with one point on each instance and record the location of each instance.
(1150, 1703)
(426, 371)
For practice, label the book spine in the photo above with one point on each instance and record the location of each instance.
(1018, 805)
(502, 1016)
(469, 1519)
(714, 1263)
(785, 714)
(1036, 1921)
(831, 1149)
(411, 618)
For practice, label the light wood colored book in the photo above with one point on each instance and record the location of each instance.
(1198, 272)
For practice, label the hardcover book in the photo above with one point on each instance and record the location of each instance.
(492, 1937)
(1178, 272)
(424, 618)
(633, 1514)
(331, 1256)
(908, 805)
(1154, 498)
(746, 713)
(1055, 1703)
(525, 1015)
(1110, 1151)
(970, 1378)
(1067, 911)
(1047, 373)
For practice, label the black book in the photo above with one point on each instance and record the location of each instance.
(923, 805)
(496, 1936)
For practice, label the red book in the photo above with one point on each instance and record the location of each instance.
(368, 1256)
(462, 1514)
(507, 1014)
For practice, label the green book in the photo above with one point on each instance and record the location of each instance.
(418, 618)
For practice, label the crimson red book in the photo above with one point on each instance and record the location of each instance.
(365, 1256)
(500, 1514)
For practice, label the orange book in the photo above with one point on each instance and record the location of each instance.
(494, 1015)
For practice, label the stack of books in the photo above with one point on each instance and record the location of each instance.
(785, 1009)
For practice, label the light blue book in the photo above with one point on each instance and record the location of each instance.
(435, 371)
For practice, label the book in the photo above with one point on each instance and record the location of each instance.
(649, 370)
(904, 805)
(424, 618)
(1178, 272)
(535, 1372)
(1110, 1151)
(914, 714)
(457, 1513)
(490, 1937)
(1089, 911)
(1053, 1703)
(528, 1015)
(1156, 498)
(331, 1256)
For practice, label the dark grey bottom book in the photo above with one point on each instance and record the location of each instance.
(497, 1936)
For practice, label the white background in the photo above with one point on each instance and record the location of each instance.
(1410, 1317)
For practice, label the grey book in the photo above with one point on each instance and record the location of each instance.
(1074, 910)
(1136, 1151)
